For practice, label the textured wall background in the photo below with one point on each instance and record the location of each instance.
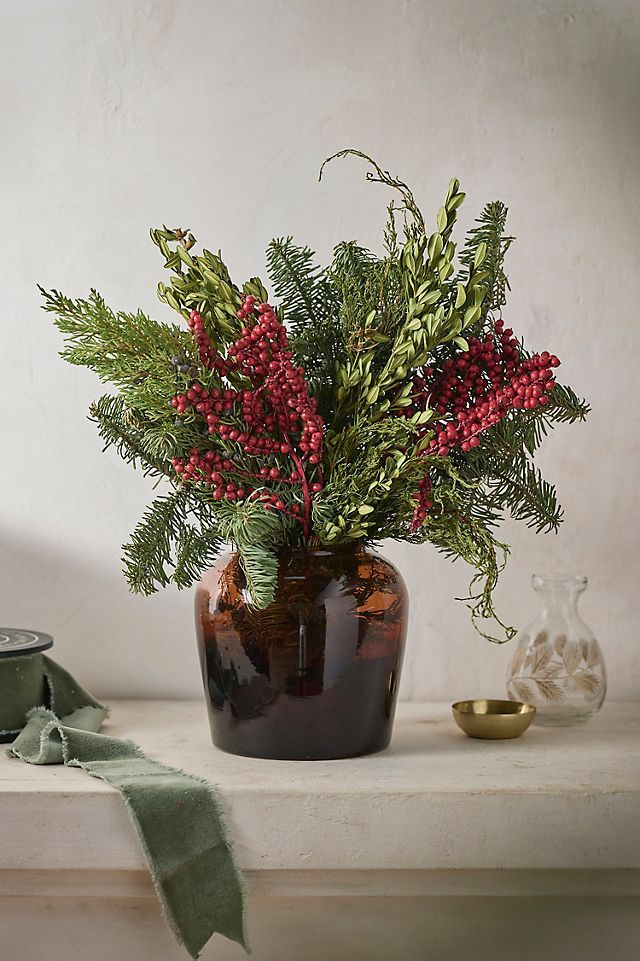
(216, 115)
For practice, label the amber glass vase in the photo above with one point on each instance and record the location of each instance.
(313, 676)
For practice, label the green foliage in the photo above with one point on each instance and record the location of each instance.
(505, 480)
(199, 283)
(502, 476)
(399, 309)
(565, 406)
(458, 535)
(310, 308)
(489, 238)
(378, 175)
(166, 548)
(371, 484)
(181, 533)
(257, 535)
(364, 329)
(300, 284)
(130, 351)
(126, 429)
(527, 496)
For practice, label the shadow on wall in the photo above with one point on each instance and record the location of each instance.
(117, 644)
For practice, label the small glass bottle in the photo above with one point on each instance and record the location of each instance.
(558, 665)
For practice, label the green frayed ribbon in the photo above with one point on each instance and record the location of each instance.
(177, 816)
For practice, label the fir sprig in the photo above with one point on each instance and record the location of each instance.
(310, 308)
(127, 430)
(149, 559)
(490, 236)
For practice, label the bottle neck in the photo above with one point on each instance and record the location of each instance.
(561, 603)
(559, 594)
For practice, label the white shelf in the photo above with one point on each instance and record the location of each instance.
(557, 799)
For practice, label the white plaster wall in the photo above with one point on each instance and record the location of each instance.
(120, 115)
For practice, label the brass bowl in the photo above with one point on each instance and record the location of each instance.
(493, 719)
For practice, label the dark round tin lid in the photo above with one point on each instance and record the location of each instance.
(15, 641)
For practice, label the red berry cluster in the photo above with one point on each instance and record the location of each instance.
(476, 390)
(284, 405)
(208, 468)
(205, 349)
(472, 374)
(274, 419)
(422, 497)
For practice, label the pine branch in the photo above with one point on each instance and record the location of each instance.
(147, 557)
(506, 439)
(504, 478)
(528, 497)
(120, 347)
(130, 351)
(310, 304)
(260, 567)
(148, 554)
(565, 407)
(490, 235)
(299, 283)
(196, 550)
(351, 264)
(125, 429)
(257, 534)
(535, 427)
(181, 533)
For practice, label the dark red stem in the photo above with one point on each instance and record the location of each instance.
(306, 493)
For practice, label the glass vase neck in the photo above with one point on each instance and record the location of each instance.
(558, 590)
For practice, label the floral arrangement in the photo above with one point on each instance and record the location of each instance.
(382, 397)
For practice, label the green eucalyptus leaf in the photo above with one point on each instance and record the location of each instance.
(455, 201)
(454, 183)
(471, 315)
(481, 254)
(434, 247)
(372, 394)
(432, 297)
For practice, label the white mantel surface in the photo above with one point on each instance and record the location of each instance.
(557, 798)
(439, 844)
